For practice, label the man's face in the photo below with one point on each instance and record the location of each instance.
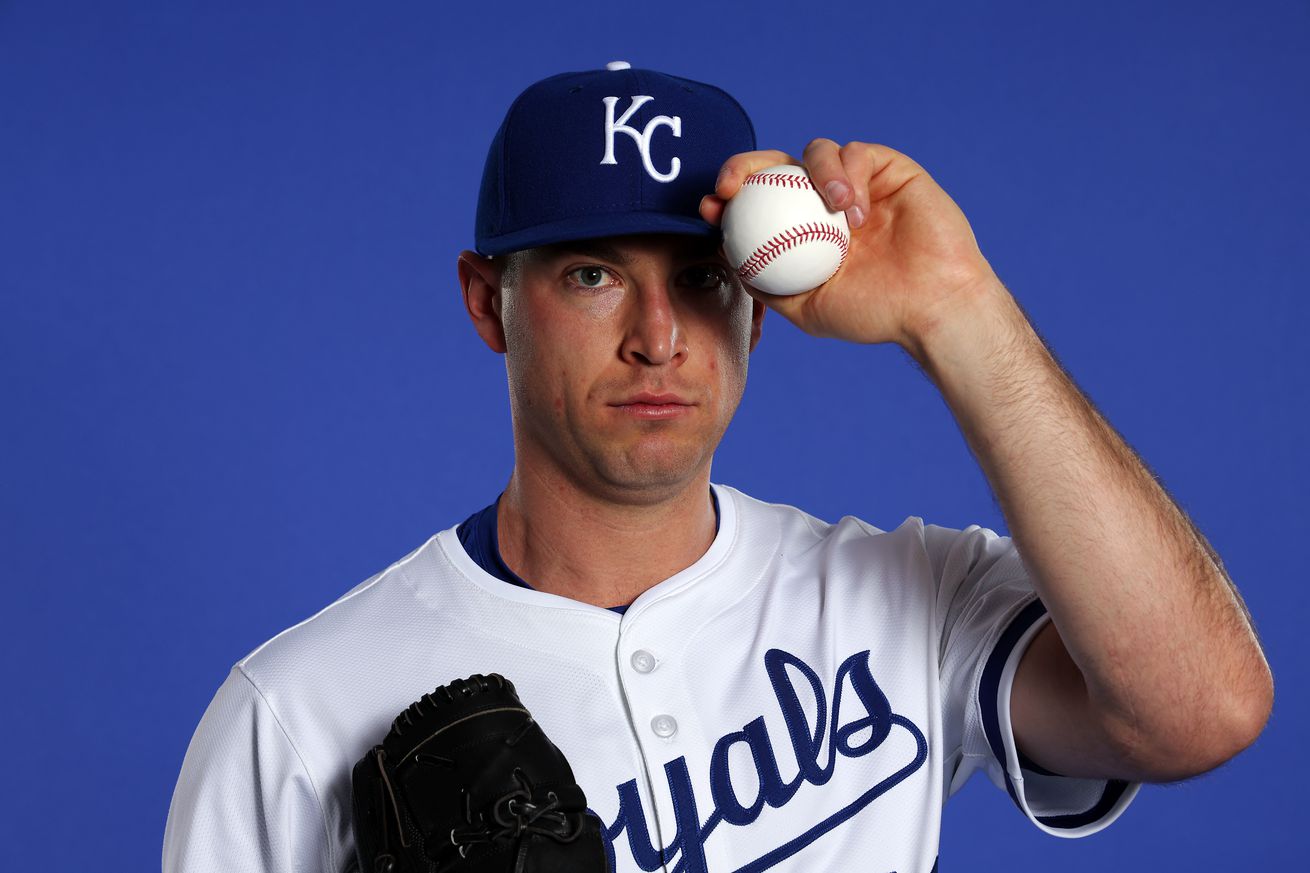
(626, 358)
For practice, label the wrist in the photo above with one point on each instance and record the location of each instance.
(981, 310)
(981, 317)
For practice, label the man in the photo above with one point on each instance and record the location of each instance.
(738, 685)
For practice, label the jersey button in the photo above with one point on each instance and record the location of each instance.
(664, 726)
(643, 661)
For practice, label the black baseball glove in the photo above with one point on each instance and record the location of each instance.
(467, 781)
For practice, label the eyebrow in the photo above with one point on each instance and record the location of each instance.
(603, 251)
(590, 249)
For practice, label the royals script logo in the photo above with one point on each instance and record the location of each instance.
(641, 137)
(852, 730)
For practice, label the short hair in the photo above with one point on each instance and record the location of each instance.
(511, 267)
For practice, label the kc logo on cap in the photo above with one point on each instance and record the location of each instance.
(641, 138)
(609, 152)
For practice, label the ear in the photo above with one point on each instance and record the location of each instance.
(757, 321)
(479, 277)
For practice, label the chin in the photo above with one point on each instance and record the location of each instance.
(646, 467)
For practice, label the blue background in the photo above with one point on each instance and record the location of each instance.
(238, 378)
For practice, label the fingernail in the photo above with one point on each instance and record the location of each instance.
(836, 191)
(855, 216)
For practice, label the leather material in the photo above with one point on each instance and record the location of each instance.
(466, 780)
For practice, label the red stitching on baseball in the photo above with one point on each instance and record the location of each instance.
(789, 238)
(780, 180)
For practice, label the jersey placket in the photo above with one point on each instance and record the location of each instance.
(668, 732)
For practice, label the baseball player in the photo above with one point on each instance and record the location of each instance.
(738, 685)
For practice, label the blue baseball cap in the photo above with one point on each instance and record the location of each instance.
(603, 153)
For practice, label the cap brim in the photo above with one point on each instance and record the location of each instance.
(594, 226)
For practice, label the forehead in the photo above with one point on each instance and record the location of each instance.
(624, 250)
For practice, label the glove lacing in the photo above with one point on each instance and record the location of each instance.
(517, 817)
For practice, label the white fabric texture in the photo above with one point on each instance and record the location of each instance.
(817, 691)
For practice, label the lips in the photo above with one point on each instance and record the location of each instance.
(649, 406)
(649, 399)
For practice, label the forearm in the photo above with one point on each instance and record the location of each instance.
(1144, 609)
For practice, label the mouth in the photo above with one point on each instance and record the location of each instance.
(655, 406)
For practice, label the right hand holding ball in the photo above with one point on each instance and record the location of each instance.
(908, 259)
(779, 234)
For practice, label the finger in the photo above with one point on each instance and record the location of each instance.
(857, 160)
(741, 165)
(891, 171)
(711, 208)
(787, 305)
(823, 162)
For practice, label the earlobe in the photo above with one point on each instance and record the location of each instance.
(479, 279)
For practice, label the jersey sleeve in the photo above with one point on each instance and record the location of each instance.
(987, 614)
(244, 802)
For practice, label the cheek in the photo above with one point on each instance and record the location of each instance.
(530, 356)
(601, 307)
(737, 339)
(725, 359)
(552, 366)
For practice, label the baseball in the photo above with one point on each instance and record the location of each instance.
(780, 235)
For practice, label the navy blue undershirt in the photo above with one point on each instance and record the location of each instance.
(481, 539)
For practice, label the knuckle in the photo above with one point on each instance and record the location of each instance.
(819, 143)
(856, 150)
(890, 154)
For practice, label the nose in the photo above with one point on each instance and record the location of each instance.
(654, 335)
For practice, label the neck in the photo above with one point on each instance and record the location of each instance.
(590, 548)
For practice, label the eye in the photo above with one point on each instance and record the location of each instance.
(707, 277)
(590, 276)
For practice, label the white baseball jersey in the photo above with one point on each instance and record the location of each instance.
(803, 697)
